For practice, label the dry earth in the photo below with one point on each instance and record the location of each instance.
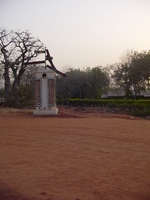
(81, 154)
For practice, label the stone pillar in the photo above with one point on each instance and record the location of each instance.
(45, 93)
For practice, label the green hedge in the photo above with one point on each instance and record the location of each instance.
(141, 113)
(101, 102)
(136, 107)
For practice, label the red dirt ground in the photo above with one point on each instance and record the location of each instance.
(81, 154)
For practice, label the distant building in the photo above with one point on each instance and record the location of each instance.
(121, 94)
(113, 94)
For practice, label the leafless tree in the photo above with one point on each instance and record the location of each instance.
(17, 47)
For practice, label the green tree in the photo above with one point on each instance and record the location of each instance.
(98, 83)
(142, 73)
(133, 74)
(87, 83)
(74, 86)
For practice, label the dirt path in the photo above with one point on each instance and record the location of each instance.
(78, 155)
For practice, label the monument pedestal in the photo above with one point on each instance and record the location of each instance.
(45, 93)
(45, 111)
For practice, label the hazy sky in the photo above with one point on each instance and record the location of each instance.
(81, 33)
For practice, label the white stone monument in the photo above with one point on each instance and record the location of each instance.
(45, 93)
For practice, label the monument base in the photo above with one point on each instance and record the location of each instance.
(45, 111)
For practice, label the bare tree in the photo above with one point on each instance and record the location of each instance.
(16, 48)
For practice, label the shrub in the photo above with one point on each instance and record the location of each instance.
(141, 113)
(23, 97)
(132, 104)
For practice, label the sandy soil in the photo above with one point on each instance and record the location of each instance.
(81, 154)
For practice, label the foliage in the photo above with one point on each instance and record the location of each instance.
(23, 97)
(75, 85)
(134, 73)
(141, 113)
(88, 83)
(99, 82)
(102, 102)
(131, 75)
(135, 107)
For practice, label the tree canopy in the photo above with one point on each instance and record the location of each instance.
(88, 83)
(133, 74)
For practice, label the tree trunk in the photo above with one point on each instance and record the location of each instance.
(7, 81)
(17, 79)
